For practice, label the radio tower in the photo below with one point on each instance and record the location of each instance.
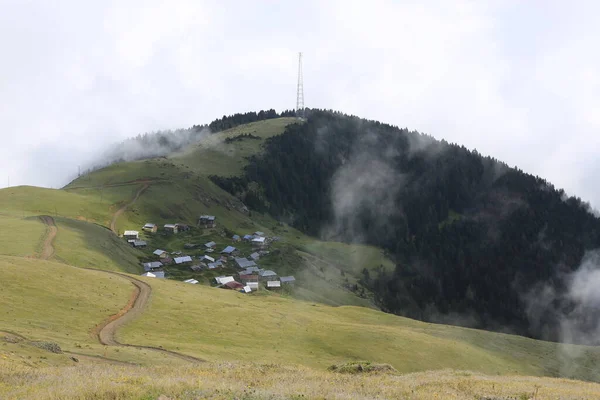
(300, 91)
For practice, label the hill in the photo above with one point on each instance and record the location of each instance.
(474, 241)
(360, 246)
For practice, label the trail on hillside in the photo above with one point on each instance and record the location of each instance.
(47, 247)
(106, 330)
(117, 214)
(107, 185)
(20, 338)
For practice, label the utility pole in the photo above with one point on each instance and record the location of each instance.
(300, 90)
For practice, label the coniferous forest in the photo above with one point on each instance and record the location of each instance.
(473, 239)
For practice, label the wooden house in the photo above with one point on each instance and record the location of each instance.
(207, 221)
(171, 228)
(131, 235)
(149, 227)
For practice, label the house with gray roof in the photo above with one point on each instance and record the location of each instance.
(171, 228)
(255, 256)
(216, 264)
(258, 242)
(139, 244)
(207, 259)
(207, 221)
(131, 235)
(210, 245)
(229, 250)
(160, 253)
(155, 274)
(244, 263)
(149, 227)
(287, 280)
(221, 280)
(149, 266)
(268, 275)
(182, 260)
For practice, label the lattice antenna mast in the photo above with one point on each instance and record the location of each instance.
(300, 90)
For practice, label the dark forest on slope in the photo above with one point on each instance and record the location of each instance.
(472, 238)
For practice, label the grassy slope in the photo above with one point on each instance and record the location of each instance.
(89, 245)
(221, 325)
(180, 190)
(213, 156)
(35, 304)
(22, 201)
(251, 381)
(20, 236)
(214, 323)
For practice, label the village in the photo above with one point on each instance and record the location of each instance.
(227, 267)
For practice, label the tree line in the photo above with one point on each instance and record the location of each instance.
(470, 236)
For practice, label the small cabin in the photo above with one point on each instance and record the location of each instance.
(207, 221)
(139, 244)
(160, 253)
(171, 228)
(182, 227)
(182, 260)
(273, 285)
(259, 243)
(287, 280)
(229, 251)
(149, 227)
(268, 275)
(131, 235)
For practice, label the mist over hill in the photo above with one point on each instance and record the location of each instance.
(476, 242)
(163, 143)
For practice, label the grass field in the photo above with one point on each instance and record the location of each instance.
(21, 236)
(92, 246)
(45, 300)
(221, 325)
(248, 339)
(274, 382)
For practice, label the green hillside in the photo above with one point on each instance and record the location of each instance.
(220, 325)
(329, 317)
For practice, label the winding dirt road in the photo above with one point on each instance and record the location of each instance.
(47, 247)
(117, 214)
(106, 330)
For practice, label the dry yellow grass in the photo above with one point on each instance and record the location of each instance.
(270, 381)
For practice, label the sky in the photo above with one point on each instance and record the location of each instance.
(517, 80)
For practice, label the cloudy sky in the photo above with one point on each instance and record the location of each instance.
(518, 80)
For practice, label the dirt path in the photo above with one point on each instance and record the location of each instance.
(106, 331)
(47, 247)
(108, 185)
(117, 214)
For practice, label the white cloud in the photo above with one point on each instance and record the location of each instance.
(515, 80)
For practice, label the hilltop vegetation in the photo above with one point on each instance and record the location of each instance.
(471, 237)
